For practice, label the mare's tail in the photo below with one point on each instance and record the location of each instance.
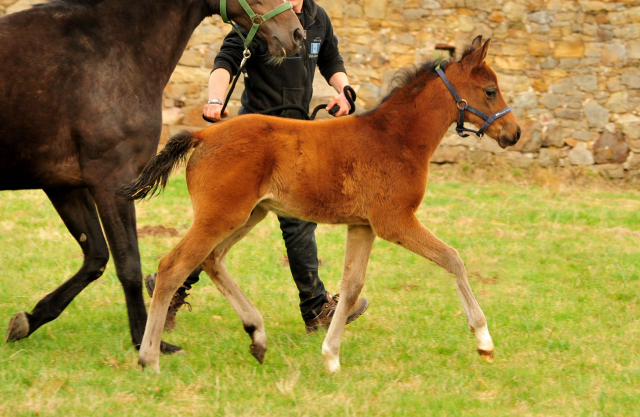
(155, 175)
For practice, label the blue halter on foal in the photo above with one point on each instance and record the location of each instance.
(463, 105)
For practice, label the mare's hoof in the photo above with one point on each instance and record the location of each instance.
(258, 352)
(486, 355)
(18, 327)
(171, 349)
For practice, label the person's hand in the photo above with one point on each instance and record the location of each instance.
(341, 101)
(212, 111)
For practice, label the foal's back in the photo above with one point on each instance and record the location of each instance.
(334, 171)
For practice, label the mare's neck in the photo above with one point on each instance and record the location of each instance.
(418, 123)
(155, 32)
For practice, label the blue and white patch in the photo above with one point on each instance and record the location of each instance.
(314, 48)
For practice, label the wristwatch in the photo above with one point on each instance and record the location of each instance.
(214, 101)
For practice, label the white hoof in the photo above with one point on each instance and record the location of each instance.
(331, 360)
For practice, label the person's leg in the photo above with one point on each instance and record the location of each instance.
(300, 241)
(179, 297)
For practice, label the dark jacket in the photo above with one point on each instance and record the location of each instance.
(269, 85)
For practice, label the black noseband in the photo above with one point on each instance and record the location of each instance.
(463, 105)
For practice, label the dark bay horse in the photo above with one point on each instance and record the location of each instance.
(81, 85)
(368, 172)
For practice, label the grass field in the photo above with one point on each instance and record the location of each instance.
(555, 268)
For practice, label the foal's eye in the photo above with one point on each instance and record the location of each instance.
(490, 93)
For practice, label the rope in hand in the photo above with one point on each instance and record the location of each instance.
(349, 93)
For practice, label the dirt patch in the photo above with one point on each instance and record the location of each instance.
(157, 231)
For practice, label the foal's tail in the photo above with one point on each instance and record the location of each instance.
(155, 175)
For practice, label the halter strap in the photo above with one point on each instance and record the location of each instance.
(255, 18)
(465, 106)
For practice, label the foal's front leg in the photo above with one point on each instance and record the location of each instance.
(409, 233)
(359, 243)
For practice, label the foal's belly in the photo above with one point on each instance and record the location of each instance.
(316, 214)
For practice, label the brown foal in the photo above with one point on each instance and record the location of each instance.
(368, 172)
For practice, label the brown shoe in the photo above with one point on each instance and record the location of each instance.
(323, 320)
(177, 301)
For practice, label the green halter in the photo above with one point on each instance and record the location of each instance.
(255, 18)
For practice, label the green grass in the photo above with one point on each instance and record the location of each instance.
(556, 270)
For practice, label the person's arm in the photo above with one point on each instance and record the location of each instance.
(339, 80)
(226, 62)
(218, 83)
(332, 68)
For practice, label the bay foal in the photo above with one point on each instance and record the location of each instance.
(368, 172)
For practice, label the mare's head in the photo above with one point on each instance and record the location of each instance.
(283, 32)
(477, 85)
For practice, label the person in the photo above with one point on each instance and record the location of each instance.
(270, 83)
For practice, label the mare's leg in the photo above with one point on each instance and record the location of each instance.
(359, 243)
(215, 267)
(409, 233)
(119, 221)
(211, 225)
(78, 212)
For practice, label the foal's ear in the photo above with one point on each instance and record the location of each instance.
(477, 42)
(475, 58)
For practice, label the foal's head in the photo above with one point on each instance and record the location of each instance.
(282, 32)
(477, 85)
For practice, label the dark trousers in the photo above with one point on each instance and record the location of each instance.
(300, 241)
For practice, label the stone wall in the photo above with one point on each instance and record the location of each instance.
(569, 69)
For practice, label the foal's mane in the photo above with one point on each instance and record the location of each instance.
(409, 81)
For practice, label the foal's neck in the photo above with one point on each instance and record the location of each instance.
(419, 122)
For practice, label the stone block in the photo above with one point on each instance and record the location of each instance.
(631, 79)
(519, 160)
(633, 13)
(580, 155)
(597, 116)
(567, 114)
(510, 63)
(449, 154)
(353, 10)
(568, 50)
(618, 102)
(525, 100)
(514, 11)
(632, 162)
(552, 136)
(488, 144)
(172, 116)
(586, 82)
(374, 9)
(564, 86)
(496, 16)
(538, 48)
(612, 53)
(610, 148)
(550, 101)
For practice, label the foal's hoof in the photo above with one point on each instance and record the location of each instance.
(258, 352)
(18, 327)
(486, 355)
(168, 348)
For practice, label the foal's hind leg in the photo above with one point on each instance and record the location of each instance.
(359, 243)
(215, 267)
(78, 212)
(409, 233)
(209, 229)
